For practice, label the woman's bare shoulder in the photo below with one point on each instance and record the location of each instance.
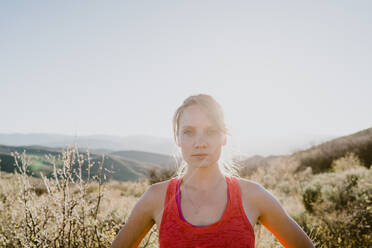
(257, 194)
(250, 187)
(159, 188)
(157, 192)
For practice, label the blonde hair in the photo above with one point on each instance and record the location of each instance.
(215, 113)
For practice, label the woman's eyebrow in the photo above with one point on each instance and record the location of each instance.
(187, 126)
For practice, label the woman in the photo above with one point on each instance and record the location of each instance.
(205, 206)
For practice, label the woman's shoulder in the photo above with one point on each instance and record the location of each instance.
(253, 191)
(159, 187)
(258, 195)
(247, 185)
(157, 191)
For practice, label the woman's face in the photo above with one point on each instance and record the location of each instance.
(199, 139)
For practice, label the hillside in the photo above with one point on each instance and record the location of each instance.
(121, 166)
(320, 157)
(145, 157)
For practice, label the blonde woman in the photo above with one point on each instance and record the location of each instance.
(205, 206)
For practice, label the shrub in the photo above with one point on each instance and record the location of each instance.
(310, 197)
(350, 160)
(339, 209)
(64, 211)
(159, 175)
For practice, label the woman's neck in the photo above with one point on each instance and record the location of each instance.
(202, 178)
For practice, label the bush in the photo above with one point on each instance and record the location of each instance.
(310, 197)
(350, 160)
(339, 209)
(159, 175)
(62, 211)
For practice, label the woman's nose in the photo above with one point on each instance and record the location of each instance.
(200, 141)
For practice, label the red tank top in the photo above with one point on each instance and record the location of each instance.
(232, 230)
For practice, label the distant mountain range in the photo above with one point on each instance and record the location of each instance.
(97, 143)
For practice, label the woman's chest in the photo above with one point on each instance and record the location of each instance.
(202, 211)
(209, 212)
(196, 212)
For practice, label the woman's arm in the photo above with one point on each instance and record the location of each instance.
(139, 222)
(275, 219)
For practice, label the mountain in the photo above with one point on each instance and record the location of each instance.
(99, 143)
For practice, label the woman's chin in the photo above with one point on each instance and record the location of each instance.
(201, 164)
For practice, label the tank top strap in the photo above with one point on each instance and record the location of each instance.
(235, 191)
(170, 198)
(237, 204)
(236, 195)
(171, 189)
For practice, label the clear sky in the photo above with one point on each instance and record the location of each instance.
(278, 68)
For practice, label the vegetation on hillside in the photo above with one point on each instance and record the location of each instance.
(125, 165)
(320, 158)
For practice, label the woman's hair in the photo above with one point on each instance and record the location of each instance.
(215, 113)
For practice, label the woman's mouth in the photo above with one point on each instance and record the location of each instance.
(200, 155)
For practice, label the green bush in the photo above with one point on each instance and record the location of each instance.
(310, 197)
(339, 209)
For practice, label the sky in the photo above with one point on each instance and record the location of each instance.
(278, 68)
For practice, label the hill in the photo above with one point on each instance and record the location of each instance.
(121, 165)
(319, 157)
(145, 157)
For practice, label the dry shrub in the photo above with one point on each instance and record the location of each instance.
(135, 189)
(350, 160)
(66, 212)
(159, 175)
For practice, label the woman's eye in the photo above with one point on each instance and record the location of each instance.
(210, 132)
(186, 132)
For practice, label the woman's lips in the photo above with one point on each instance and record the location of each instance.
(200, 155)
